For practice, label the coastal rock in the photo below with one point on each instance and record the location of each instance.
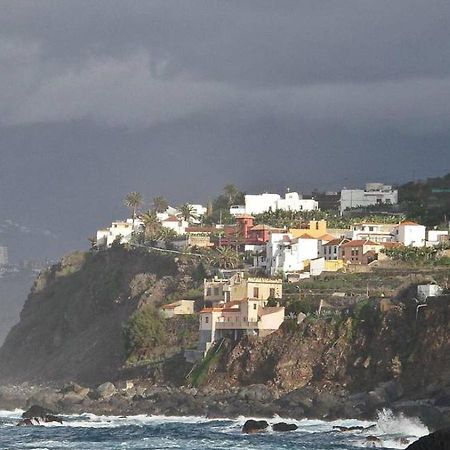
(106, 390)
(256, 392)
(283, 426)
(439, 440)
(254, 426)
(37, 411)
(303, 397)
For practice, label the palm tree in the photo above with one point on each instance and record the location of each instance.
(166, 234)
(231, 190)
(187, 212)
(152, 225)
(160, 204)
(226, 258)
(133, 200)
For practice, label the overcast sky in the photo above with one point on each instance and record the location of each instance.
(178, 98)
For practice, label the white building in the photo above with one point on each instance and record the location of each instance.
(176, 224)
(122, 228)
(436, 237)
(373, 194)
(428, 290)
(288, 254)
(261, 203)
(376, 232)
(410, 233)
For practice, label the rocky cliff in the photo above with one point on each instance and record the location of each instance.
(71, 326)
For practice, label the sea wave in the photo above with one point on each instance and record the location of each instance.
(388, 428)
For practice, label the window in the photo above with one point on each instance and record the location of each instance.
(254, 306)
(272, 292)
(206, 319)
(256, 292)
(216, 291)
(208, 292)
(343, 252)
(370, 228)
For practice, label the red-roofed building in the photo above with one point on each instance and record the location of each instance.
(359, 251)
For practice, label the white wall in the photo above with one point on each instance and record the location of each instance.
(257, 204)
(413, 235)
(351, 198)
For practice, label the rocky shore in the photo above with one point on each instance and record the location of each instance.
(139, 397)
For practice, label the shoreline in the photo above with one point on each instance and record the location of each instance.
(257, 401)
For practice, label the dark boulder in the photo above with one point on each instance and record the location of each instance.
(51, 418)
(283, 426)
(254, 426)
(439, 440)
(37, 411)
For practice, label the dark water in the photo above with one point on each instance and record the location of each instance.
(194, 433)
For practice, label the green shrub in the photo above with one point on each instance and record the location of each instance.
(144, 329)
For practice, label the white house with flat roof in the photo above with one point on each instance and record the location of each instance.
(410, 233)
(372, 194)
(119, 228)
(261, 203)
(286, 253)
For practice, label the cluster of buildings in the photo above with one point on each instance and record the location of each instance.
(236, 306)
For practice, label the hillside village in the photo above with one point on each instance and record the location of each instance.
(253, 259)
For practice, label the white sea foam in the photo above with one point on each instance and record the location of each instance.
(16, 413)
(390, 424)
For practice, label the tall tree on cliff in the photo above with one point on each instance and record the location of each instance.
(152, 225)
(133, 200)
(160, 204)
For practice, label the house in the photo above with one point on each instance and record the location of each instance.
(199, 236)
(266, 202)
(285, 253)
(373, 194)
(314, 228)
(410, 233)
(437, 237)
(235, 319)
(330, 250)
(359, 251)
(122, 229)
(238, 287)
(176, 224)
(428, 290)
(376, 232)
(181, 307)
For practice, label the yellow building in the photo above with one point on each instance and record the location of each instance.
(239, 287)
(315, 229)
(181, 307)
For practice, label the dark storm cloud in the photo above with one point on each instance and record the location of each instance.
(98, 98)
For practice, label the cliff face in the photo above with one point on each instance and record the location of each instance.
(354, 353)
(14, 288)
(71, 324)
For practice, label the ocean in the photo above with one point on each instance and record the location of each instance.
(89, 431)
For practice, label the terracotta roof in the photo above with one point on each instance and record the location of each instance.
(208, 310)
(171, 305)
(172, 219)
(339, 241)
(327, 237)
(359, 243)
(306, 236)
(269, 310)
(408, 222)
(244, 216)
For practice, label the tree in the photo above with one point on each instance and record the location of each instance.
(133, 200)
(160, 204)
(166, 234)
(231, 191)
(187, 212)
(152, 225)
(225, 258)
